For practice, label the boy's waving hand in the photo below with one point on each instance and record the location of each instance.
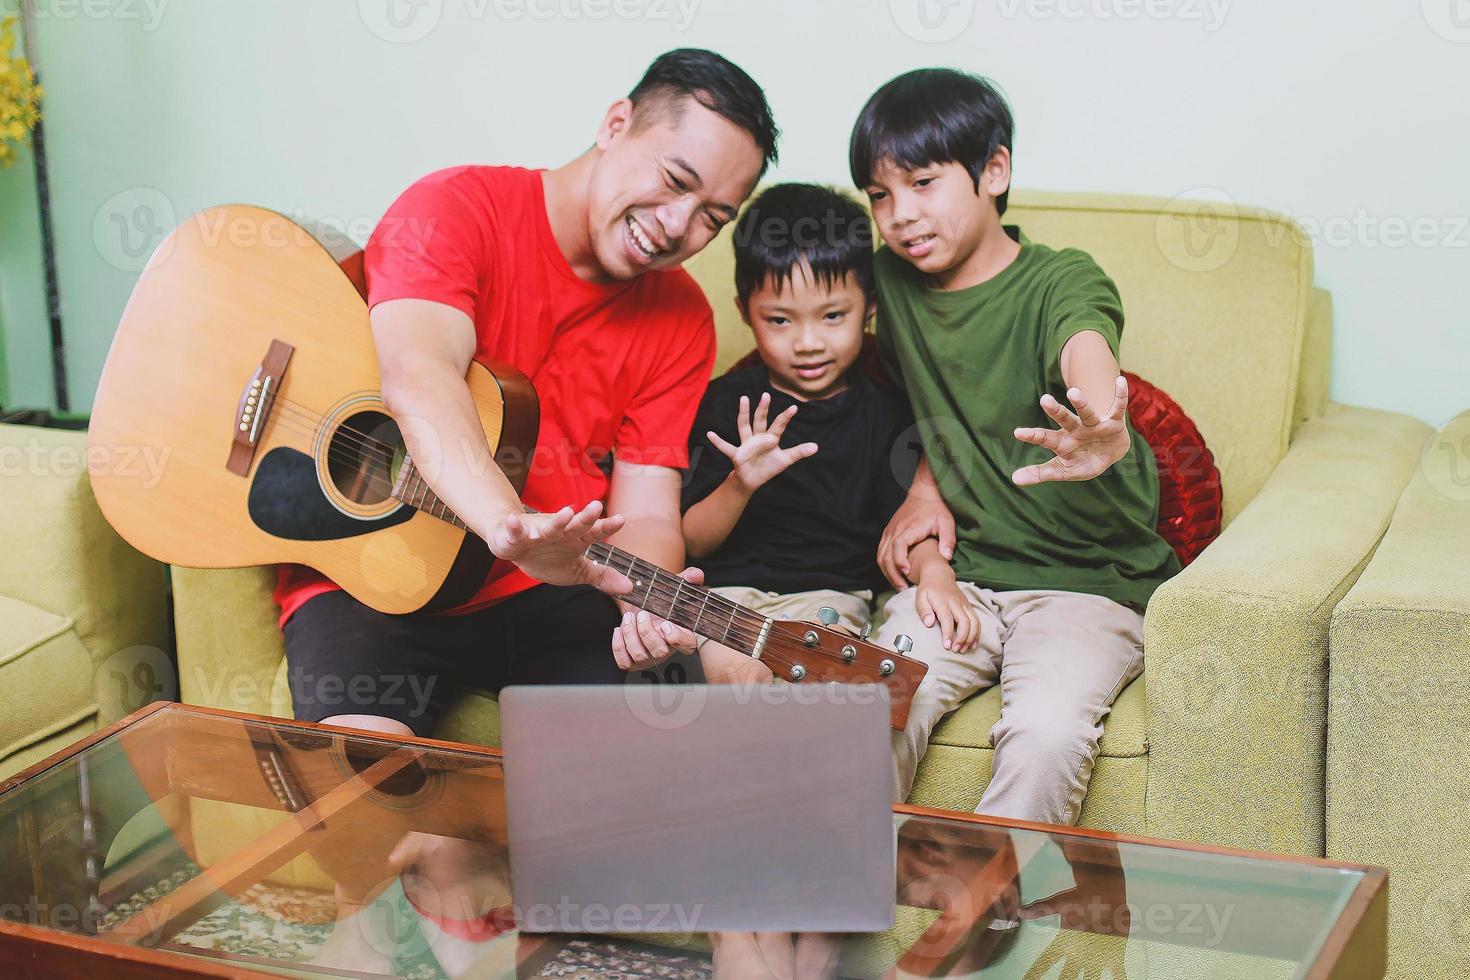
(1085, 445)
(759, 457)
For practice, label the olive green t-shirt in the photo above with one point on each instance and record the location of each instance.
(975, 363)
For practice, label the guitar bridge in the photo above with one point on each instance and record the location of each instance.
(256, 401)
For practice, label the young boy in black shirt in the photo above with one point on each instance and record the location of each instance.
(788, 530)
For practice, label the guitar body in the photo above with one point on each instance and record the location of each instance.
(195, 463)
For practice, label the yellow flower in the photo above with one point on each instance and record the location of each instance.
(20, 96)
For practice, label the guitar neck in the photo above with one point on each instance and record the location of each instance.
(682, 603)
(662, 593)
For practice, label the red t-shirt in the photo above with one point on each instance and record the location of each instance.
(618, 367)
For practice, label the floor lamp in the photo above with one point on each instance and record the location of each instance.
(43, 197)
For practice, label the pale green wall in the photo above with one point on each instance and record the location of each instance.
(25, 348)
(1348, 115)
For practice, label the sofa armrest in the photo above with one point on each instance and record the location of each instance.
(1399, 710)
(1236, 644)
(230, 648)
(64, 558)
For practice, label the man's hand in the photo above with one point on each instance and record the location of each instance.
(643, 639)
(551, 547)
(1085, 445)
(759, 457)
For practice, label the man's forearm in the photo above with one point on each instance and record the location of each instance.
(442, 432)
(708, 523)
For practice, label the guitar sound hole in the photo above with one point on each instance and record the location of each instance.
(363, 457)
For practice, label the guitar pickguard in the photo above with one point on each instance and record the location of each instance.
(286, 501)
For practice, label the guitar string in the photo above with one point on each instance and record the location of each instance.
(749, 620)
(669, 583)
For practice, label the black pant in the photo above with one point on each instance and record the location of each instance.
(345, 658)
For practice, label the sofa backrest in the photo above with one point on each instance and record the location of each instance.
(1216, 299)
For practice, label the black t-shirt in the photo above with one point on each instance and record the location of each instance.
(817, 524)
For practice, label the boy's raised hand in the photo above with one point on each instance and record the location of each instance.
(1085, 445)
(759, 457)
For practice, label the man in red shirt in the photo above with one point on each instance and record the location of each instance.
(571, 275)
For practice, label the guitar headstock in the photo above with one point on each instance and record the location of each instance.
(816, 652)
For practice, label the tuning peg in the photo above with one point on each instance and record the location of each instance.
(827, 615)
(867, 630)
(904, 643)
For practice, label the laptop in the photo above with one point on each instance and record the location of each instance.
(699, 808)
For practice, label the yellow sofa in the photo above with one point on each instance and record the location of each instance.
(1398, 789)
(83, 617)
(1222, 739)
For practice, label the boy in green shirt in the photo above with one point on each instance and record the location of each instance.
(1052, 539)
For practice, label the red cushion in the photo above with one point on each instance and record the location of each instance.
(1189, 482)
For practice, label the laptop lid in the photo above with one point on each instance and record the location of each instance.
(695, 808)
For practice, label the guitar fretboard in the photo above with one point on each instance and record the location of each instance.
(693, 607)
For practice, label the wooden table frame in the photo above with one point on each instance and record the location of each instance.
(1355, 948)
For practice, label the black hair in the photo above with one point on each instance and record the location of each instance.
(791, 224)
(931, 115)
(715, 83)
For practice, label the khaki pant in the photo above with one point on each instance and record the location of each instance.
(1061, 659)
(723, 665)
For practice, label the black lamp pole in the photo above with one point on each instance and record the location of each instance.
(48, 240)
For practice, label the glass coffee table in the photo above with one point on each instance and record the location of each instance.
(187, 842)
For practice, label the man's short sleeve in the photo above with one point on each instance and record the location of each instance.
(655, 427)
(431, 244)
(1081, 297)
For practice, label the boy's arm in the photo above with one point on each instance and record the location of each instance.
(923, 515)
(1086, 444)
(926, 561)
(938, 599)
(1082, 328)
(757, 459)
(708, 523)
(1088, 364)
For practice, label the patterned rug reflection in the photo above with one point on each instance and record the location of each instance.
(289, 925)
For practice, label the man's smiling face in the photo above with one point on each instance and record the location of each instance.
(667, 179)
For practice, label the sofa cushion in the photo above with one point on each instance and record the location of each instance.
(45, 677)
(475, 718)
(1123, 731)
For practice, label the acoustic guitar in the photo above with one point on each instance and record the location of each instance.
(244, 366)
